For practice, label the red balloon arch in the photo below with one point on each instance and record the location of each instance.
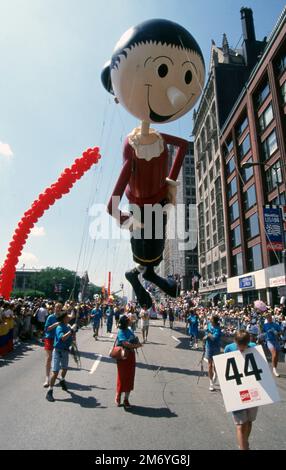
(45, 200)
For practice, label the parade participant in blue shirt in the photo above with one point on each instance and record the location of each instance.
(193, 330)
(49, 334)
(109, 318)
(272, 332)
(212, 347)
(242, 418)
(96, 316)
(62, 341)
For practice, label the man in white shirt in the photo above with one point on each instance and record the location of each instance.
(42, 314)
(145, 317)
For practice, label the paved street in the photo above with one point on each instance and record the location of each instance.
(171, 411)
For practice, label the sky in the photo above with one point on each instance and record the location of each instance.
(53, 107)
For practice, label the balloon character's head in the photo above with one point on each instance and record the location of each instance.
(156, 71)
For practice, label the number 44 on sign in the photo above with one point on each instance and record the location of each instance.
(245, 379)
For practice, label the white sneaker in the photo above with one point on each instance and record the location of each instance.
(196, 346)
(275, 372)
(46, 384)
(211, 387)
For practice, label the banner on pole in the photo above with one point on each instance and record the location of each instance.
(273, 228)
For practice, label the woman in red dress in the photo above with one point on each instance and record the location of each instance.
(126, 367)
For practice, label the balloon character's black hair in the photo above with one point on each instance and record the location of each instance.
(152, 31)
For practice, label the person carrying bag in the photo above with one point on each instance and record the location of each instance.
(124, 352)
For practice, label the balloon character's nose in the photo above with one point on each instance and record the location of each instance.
(176, 97)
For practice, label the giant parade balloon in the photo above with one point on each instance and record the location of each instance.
(157, 73)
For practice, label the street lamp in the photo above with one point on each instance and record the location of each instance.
(267, 166)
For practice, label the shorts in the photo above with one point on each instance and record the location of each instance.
(49, 344)
(145, 329)
(273, 346)
(210, 352)
(60, 359)
(245, 416)
(149, 251)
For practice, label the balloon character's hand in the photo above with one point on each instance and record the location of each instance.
(135, 224)
(171, 194)
(130, 222)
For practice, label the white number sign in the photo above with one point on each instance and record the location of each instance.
(245, 379)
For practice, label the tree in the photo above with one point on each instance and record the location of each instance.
(57, 284)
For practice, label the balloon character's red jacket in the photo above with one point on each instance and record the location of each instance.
(146, 181)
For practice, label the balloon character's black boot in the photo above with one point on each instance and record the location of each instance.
(142, 295)
(169, 286)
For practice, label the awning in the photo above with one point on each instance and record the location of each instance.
(212, 295)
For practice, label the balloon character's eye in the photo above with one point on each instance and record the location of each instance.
(163, 70)
(188, 77)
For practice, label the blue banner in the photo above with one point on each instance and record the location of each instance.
(246, 282)
(273, 228)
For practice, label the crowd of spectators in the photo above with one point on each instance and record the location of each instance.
(29, 315)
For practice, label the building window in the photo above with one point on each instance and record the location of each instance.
(230, 166)
(215, 239)
(211, 174)
(250, 197)
(220, 232)
(188, 181)
(244, 147)
(216, 269)
(232, 188)
(265, 118)
(254, 260)
(283, 92)
(223, 265)
(237, 265)
(242, 126)
(235, 237)
(213, 210)
(273, 177)
(281, 199)
(281, 63)
(214, 225)
(228, 146)
(269, 145)
(262, 94)
(275, 257)
(234, 212)
(212, 195)
(252, 226)
(204, 164)
(247, 173)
